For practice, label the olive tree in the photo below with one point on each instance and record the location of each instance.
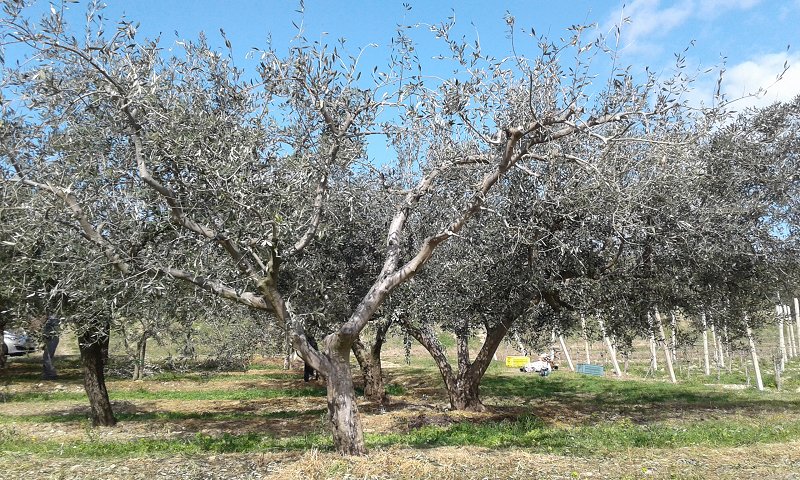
(237, 175)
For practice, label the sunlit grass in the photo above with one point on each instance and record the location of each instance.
(144, 394)
(165, 416)
(526, 432)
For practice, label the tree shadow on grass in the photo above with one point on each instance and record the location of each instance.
(576, 398)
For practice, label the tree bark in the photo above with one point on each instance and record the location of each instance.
(754, 356)
(369, 360)
(93, 346)
(343, 417)
(462, 386)
(141, 353)
(50, 339)
(287, 349)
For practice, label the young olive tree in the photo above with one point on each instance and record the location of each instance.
(238, 175)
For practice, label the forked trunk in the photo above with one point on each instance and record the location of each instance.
(465, 395)
(462, 386)
(345, 423)
(93, 346)
(369, 360)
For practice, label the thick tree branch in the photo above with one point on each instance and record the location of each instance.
(87, 229)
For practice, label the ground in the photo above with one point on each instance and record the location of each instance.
(268, 423)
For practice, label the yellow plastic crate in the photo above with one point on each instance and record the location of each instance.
(516, 361)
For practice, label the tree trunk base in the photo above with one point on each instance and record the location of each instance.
(345, 422)
(93, 350)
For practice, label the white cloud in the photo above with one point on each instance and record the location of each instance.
(647, 19)
(748, 77)
(653, 19)
(753, 83)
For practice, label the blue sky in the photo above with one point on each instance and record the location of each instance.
(752, 35)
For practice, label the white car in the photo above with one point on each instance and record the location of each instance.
(17, 342)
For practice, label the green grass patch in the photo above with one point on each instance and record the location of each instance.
(395, 389)
(144, 394)
(199, 443)
(207, 377)
(165, 416)
(530, 432)
(526, 432)
(578, 389)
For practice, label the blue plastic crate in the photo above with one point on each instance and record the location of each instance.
(589, 369)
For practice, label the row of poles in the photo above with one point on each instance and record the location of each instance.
(788, 343)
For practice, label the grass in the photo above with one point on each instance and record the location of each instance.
(143, 394)
(165, 416)
(592, 417)
(199, 443)
(525, 432)
(531, 432)
(577, 389)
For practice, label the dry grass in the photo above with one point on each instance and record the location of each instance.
(759, 461)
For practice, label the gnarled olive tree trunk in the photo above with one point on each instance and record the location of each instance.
(462, 385)
(369, 360)
(345, 423)
(93, 345)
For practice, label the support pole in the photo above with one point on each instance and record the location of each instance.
(754, 356)
(566, 352)
(663, 341)
(706, 361)
(611, 351)
(586, 338)
(781, 336)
